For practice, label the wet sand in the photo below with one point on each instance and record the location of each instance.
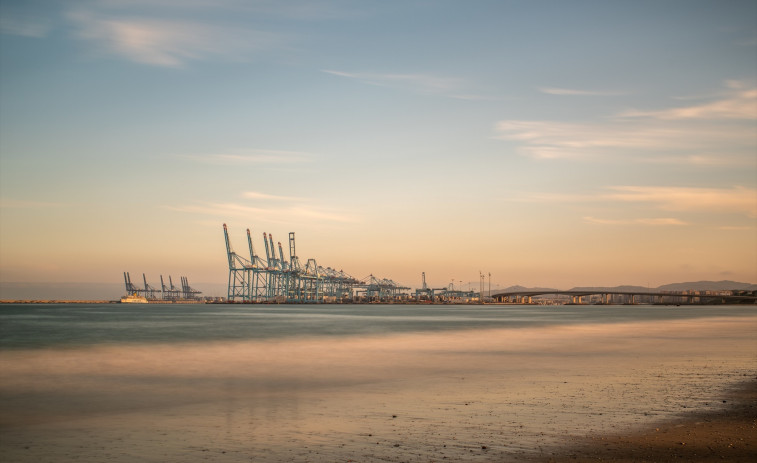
(475, 395)
(726, 435)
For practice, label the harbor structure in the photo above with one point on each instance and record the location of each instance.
(166, 294)
(277, 278)
(445, 295)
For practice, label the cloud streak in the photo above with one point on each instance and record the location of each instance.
(288, 214)
(169, 42)
(574, 92)
(695, 134)
(422, 82)
(738, 199)
(417, 83)
(265, 196)
(268, 207)
(664, 221)
(740, 106)
(640, 141)
(253, 156)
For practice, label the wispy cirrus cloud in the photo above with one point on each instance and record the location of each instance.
(716, 133)
(575, 92)
(287, 214)
(423, 82)
(266, 196)
(251, 156)
(269, 207)
(419, 83)
(660, 221)
(740, 103)
(169, 42)
(738, 199)
(641, 141)
(703, 160)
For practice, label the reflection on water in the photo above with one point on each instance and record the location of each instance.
(46, 325)
(375, 397)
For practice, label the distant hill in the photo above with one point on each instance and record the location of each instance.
(691, 286)
(614, 288)
(523, 288)
(709, 286)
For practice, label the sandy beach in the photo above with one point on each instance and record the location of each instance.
(724, 435)
(540, 393)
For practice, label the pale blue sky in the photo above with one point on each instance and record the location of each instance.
(549, 143)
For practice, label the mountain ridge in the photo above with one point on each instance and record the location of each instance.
(703, 285)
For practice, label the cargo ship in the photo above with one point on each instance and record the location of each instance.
(134, 299)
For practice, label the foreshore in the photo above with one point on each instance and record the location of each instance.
(724, 435)
(534, 394)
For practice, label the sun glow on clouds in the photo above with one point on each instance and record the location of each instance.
(169, 42)
(265, 196)
(264, 207)
(740, 104)
(678, 135)
(738, 199)
(665, 221)
(286, 210)
(638, 142)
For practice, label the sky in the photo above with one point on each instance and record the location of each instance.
(547, 143)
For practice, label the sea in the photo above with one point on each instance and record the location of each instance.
(31, 326)
(369, 383)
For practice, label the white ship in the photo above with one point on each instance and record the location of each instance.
(133, 299)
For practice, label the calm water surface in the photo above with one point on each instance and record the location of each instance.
(24, 326)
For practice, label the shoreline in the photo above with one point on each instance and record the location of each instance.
(729, 434)
(57, 301)
(115, 301)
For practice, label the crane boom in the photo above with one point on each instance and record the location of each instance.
(229, 252)
(267, 251)
(281, 255)
(252, 250)
(273, 250)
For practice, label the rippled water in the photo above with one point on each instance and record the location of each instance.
(47, 325)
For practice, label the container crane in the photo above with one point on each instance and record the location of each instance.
(239, 272)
